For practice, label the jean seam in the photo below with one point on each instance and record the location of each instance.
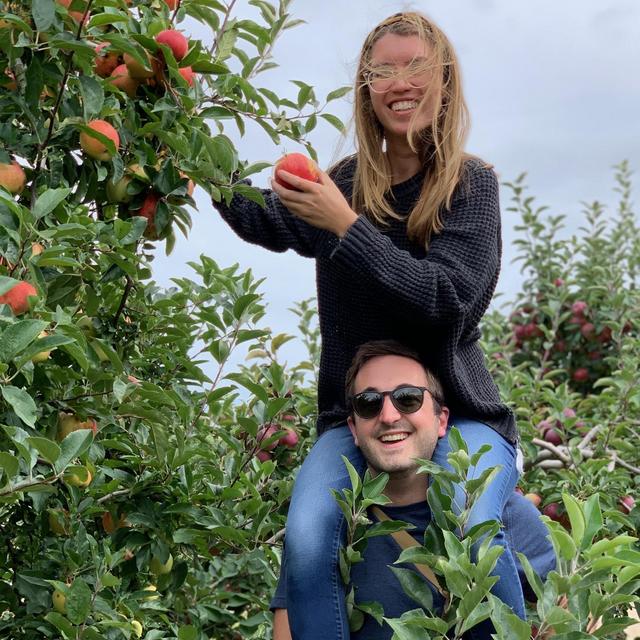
(335, 575)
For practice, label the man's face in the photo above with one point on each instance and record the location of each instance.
(391, 441)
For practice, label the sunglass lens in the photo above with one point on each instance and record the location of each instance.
(407, 399)
(367, 404)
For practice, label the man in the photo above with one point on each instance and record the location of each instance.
(397, 416)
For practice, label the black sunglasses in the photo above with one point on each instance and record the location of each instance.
(406, 399)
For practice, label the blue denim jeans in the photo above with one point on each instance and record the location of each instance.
(315, 527)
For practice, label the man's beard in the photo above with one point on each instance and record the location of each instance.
(399, 463)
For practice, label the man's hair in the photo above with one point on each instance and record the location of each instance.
(377, 348)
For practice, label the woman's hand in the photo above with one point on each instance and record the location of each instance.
(321, 204)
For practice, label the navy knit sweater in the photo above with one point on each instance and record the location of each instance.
(376, 284)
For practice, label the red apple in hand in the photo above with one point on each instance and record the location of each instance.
(299, 165)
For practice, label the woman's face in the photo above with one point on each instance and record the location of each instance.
(398, 78)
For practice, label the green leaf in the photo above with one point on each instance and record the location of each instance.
(109, 580)
(49, 200)
(415, 586)
(18, 336)
(188, 632)
(61, 623)
(78, 601)
(338, 93)
(43, 12)
(507, 624)
(593, 520)
(576, 518)
(386, 527)
(73, 446)
(22, 403)
(9, 463)
(92, 95)
(374, 609)
(48, 449)
(374, 487)
(532, 577)
(43, 344)
(334, 121)
(356, 482)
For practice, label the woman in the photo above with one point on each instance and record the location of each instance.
(406, 239)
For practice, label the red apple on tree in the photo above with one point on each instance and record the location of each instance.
(105, 62)
(121, 79)
(137, 70)
(298, 164)
(173, 39)
(581, 374)
(627, 503)
(289, 439)
(587, 329)
(69, 422)
(188, 74)
(579, 307)
(12, 177)
(148, 211)
(552, 437)
(534, 498)
(92, 146)
(265, 437)
(263, 456)
(18, 297)
(552, 510)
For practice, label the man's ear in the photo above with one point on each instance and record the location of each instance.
(443, 421)
(352, 428)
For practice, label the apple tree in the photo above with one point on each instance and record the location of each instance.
(143, 480)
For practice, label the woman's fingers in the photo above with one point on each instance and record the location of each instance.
(299, 184)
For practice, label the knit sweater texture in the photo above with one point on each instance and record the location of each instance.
(377, 284)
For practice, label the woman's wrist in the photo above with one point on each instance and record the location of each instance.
(344, 222)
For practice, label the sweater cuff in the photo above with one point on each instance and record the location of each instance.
(357, 242)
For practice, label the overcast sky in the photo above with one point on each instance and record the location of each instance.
(553, 88)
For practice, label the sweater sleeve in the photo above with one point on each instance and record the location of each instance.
(273, 227)
(460, 266)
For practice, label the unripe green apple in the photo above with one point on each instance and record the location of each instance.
(78, 476)
(137, 628)
(158, 568)
(42, 355)
(59, 601)
(152, 588)
(59, 522)
(69, 422)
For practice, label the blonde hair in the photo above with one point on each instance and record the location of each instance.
(440, 146)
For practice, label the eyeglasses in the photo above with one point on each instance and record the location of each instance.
(381, 79)
(406, 399)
